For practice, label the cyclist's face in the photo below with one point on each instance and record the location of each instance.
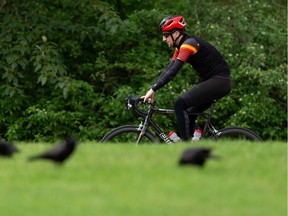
(167, 38)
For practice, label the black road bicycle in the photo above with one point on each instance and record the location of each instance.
(143, 134)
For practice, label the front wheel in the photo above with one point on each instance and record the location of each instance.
(128, 134)
(237, 133)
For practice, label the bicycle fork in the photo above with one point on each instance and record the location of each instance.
(143, 128)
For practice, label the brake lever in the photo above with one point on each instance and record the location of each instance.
(132, 100)
(147, 102)
(128, 104)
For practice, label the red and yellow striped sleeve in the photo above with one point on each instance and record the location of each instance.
(175, 55)
(186, 50)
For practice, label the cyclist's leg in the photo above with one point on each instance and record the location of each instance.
(200, 96)
(182, 117)
(186, 123)
(207, 91)
(192, 118)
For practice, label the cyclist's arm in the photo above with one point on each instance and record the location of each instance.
(168, 67)
(190, 47)
(168, 74)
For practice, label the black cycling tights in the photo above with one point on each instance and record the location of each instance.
(198, 99)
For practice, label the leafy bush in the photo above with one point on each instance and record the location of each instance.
(67, 67)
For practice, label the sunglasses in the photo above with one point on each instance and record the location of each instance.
(166, 34)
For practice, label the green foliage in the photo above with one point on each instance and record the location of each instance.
(67, 66)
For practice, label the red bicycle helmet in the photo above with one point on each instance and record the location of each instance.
(172, 22)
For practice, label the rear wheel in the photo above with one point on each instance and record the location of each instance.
(237, 133)
(128, 134)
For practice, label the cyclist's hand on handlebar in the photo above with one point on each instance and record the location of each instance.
(149, 97)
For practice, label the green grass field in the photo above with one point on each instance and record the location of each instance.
(250, 179)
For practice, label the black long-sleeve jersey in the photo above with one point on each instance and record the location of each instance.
(203, 57)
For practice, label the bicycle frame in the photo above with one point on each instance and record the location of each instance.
(149, 122)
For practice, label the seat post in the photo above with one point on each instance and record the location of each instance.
(211, 110)
(212, 107)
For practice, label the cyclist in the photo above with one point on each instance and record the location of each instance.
(208, 63)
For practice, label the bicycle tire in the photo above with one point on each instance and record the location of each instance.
(237, 133)
(128, 134)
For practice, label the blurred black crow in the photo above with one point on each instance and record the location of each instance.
(60, 152)
(196, 156)
(7, 149)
